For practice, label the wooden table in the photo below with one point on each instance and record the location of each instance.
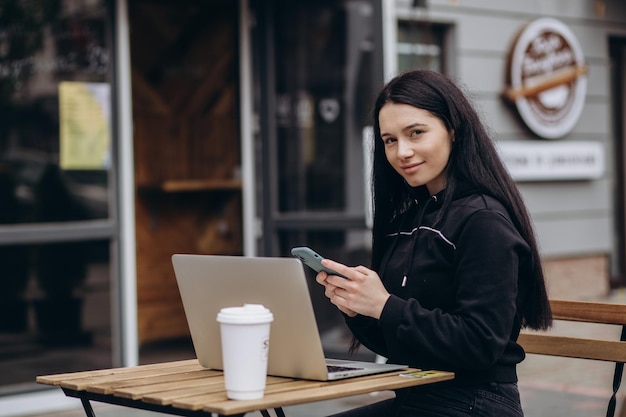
(185, 388)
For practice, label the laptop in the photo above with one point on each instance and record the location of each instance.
(207, 283)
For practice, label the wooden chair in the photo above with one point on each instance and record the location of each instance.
(547, 343)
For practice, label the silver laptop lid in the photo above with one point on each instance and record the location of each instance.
(208, 283)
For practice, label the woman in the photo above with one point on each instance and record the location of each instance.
(455, 267)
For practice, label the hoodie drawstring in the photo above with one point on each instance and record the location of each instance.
(409, 263)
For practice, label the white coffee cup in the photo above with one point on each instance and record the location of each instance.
(245, 335)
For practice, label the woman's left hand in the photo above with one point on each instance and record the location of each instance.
(361, 292)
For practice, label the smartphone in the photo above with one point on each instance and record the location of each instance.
(313, 260)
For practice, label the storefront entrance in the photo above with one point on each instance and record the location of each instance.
(317, 65)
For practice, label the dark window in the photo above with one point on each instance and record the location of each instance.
(421, 46)
(55, 159)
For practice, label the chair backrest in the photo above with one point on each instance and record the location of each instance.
(545, 343)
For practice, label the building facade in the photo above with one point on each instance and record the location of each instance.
(134, 129)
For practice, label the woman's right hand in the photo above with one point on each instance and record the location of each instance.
(330, 293)
(360, 292)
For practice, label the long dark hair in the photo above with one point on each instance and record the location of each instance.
(473, 160)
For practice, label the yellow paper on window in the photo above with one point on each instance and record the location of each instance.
(85, 125)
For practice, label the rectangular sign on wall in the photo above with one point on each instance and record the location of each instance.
(553, 161)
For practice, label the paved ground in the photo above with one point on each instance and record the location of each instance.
(550, 387)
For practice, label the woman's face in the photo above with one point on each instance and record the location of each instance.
(417, 145)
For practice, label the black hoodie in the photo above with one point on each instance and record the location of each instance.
(456, 284)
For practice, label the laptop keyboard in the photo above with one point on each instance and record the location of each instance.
(335, 368)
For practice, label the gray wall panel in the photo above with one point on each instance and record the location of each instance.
(592, 39)
(597, 76)
(501, 119)
(480, 74)
(567, 198)
(595, 119)
(487, 33)
(574, 236)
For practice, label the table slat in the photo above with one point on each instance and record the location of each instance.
(196, 398)
(109, 387)
(57, 378)
(165, 383)
(85, 384)
(199, 400)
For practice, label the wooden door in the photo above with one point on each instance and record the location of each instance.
(186, 143)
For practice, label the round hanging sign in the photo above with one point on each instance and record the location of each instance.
(547, 78)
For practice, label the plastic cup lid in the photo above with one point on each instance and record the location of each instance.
(248, 314)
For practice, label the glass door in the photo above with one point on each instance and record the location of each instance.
(318, 65)
(58, 220)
